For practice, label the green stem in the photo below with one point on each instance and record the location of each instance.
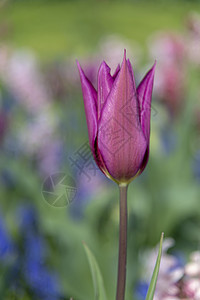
(121, 281)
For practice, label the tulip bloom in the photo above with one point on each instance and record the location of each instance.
(118, 120)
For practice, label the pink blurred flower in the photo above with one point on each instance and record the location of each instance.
(193, 23)
(193, 38)
(170, 51)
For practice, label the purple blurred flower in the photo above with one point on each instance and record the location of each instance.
(118, 119)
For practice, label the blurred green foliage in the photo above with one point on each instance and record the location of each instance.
(60, 28)
(165, 198)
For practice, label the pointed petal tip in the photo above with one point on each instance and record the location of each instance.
(104, 65)
(129, 65)
(154, 66)
(82, 74)
(124, 62)
(124, 58)
(151, 72)
(79, 67)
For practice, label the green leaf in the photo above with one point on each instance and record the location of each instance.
(152, 286)
(99, 289)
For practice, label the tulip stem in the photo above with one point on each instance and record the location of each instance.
(121, 281)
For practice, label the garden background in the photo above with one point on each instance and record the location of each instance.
(43, 141)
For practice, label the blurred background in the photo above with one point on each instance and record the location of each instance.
(52, 197)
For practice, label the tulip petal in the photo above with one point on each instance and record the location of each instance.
(120, 139)
(116, 72)
(131, 71)
(144, 92)
(145, 161)
(105, 82)
(90, 103)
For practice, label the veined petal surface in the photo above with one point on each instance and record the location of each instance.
(90, 103)
(105, 82)
(121, 141)
(144, 92)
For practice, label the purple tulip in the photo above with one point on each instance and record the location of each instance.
(118, 120)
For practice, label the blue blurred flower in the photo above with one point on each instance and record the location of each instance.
(6, 245)
(7, 179)
(196, 165)
(168, 140)
(28, 219)
(141, 290)
(41, 282)
(88, 187)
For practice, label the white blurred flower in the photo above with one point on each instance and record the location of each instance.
(169, 274)
(50, 157)
(192, 276)
(19, 70)
(38, 132)
(112, 47)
